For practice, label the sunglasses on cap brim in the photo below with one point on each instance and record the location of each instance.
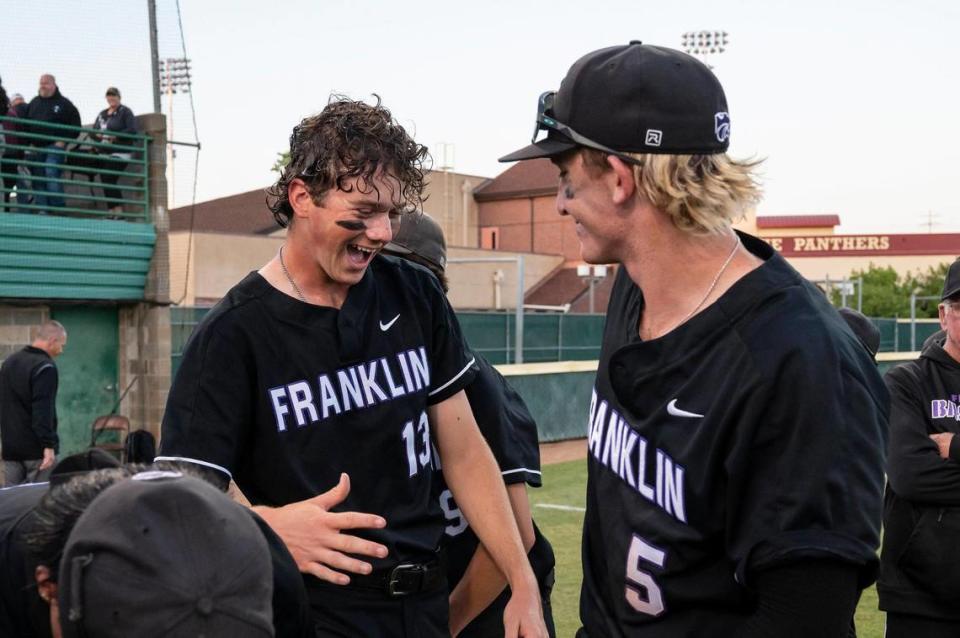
(546, 122)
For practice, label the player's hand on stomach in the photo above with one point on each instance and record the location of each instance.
(314, 535)
(523, 616)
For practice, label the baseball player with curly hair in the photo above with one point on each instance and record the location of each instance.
(323, 384)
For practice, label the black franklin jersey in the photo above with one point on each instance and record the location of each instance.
(750, 436)
(283, 396)
(511, 433)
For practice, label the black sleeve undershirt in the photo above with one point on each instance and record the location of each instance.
(810, 599)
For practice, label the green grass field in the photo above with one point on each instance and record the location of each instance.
(564, 484)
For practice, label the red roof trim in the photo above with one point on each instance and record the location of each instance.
(797, 221)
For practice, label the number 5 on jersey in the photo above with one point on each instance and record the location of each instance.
(643, 593)
(415, 438)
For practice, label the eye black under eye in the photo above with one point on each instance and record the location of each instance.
(352, 224)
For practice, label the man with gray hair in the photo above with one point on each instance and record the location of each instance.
(28, 412)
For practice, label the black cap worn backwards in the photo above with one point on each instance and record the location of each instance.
(951, 285)
(633, 98)
(161, 554)
(421, 235)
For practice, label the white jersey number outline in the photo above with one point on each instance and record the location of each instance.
(415, 459)
(642, 592)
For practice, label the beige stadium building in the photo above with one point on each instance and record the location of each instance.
(512, 217)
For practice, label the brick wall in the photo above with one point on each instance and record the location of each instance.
(15, 325)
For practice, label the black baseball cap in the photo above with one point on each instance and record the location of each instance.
(81, 463)
(162, 554)
(863, 328)
(420, 235)
(951, 285)
(633, 98)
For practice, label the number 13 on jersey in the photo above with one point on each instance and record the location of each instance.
(417, 442)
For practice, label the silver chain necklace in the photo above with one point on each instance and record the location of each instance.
(299, 292)
(713, 285)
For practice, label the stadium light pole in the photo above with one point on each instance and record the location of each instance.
(154, 56)
(174, 78)
(703, 44)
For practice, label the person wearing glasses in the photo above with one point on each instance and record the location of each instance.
(919, 571)
(737, 427)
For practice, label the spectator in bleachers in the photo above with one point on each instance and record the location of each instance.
(14, 171)
(116, 118)
(5, 128)
(9, 162)
(52, 107)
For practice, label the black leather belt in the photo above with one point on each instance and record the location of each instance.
(404, 579)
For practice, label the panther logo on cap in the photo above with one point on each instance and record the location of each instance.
(721, 126)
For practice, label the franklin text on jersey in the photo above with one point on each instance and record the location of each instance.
(650, 471)
(302, 402)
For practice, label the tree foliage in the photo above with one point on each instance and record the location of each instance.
(887, 294)
(282, 160)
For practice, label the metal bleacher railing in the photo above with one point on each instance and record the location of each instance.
(84, 156)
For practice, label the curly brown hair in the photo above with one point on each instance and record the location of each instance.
(349, 139)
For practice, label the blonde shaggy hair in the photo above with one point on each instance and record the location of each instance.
(702, 194)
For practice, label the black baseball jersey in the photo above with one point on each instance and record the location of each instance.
(511, 433)
(283, 396)
(750, 436)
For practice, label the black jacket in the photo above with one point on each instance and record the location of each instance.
(28, 411)
(22, 612)
(120, 121)
(919, 564)
(55, 109)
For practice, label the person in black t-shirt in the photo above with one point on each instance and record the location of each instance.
(737, 428)
(322, 384)
(477, 589)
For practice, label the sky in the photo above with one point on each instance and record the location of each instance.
(853, 105)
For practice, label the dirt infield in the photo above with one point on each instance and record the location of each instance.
(561, 451)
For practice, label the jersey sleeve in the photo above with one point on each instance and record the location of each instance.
(451, 362)
(506, 425)
(43, 405)
(210, 407)
(810, 479)
(916, 471)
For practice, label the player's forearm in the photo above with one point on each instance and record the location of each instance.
(482, 582)
(478, 489)
(473, 477)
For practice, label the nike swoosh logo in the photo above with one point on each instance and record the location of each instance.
(673, 410)
(386, 326)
